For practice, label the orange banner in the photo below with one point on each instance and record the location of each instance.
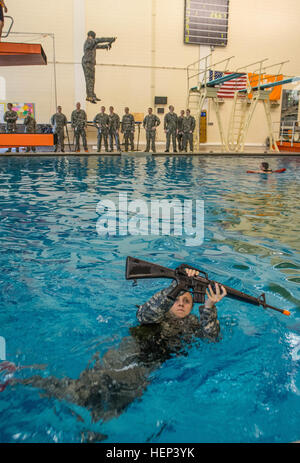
(266, 79)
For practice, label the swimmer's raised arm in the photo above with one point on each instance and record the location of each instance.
(154, 310)
(208, 313)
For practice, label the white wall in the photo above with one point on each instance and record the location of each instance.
(149, 57)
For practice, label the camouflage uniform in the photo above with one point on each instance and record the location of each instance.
(89, 62)
(101, 121)
(11, 117)
(150, 121)
(189, 125)
(30, 127)
(170, 125)
(180, 133)
(128, 128)
(78, 119)
(114, 127)
(122, 375)
(59, 121)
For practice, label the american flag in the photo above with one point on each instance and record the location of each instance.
(228, 88)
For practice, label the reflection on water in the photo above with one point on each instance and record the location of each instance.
(274, 214)
(64, 297)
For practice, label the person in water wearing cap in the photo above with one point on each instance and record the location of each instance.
(91, 46)
(166, 329)
(264, 169)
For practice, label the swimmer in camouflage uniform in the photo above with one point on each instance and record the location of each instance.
(114, 382)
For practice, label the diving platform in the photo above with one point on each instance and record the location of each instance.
(21, 54)
(272, 84)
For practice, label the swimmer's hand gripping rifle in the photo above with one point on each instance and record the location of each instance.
(137, 269)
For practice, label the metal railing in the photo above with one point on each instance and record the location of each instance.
(287, 131)
(6, 34)
(199, 71)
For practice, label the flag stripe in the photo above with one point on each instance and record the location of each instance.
(227, 89)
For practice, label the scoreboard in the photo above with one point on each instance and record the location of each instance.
(206, 22)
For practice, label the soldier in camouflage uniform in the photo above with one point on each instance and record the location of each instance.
(79, 121)
(58, 122)
(170, 126)
(90, 48)
(101, 121)
(166, 329)
(150, 123)
(189, 125)
(114, 127)
(180, 131)
(128, 128)
(11, 117)
(30, 127)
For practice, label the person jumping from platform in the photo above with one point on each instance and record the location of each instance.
(150, 123)
(170, 126)
(128, 128)
(30, 127)
(11, 117)
(79, 122)
(189, 125)
(59, 122)
(2, 7)
(91, 46)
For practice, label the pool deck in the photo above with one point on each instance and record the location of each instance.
(207, 150)
(142, 154)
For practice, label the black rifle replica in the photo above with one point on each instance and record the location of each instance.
(138, 269)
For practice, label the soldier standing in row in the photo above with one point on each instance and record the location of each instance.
(170, 126)
(79, 121)
(150, 123)
(58, 122)
(11, 117)
(180, 131)
(128, 129)
(114, 127)
(101, 121)
(189, 125)
(91, 46)
(30, 127)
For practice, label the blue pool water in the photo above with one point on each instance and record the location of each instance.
(63, 296)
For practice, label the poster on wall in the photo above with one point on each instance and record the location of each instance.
(21, 108)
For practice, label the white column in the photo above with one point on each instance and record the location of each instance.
(153, 51)
(79, 36)
(204, 50)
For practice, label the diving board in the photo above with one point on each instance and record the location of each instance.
(272, 84)
(21, 54)
(221, 80)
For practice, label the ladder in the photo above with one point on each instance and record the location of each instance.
(198, 74)
(195, 103)
(237, 121)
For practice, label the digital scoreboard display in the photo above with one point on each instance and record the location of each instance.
(206, 22)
